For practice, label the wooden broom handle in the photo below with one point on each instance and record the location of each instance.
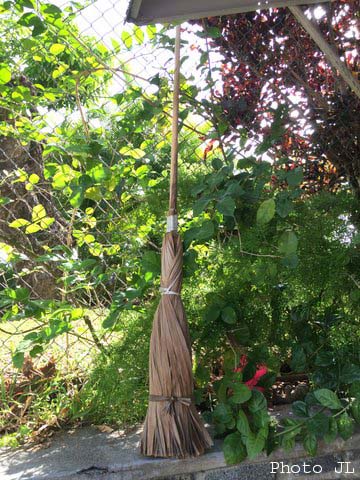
(175, 128)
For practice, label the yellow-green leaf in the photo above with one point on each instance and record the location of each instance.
(127, 39)
(33, 228)
(138, 34)
(38, 213)
(34, 178)
(46, 222)
(135, 153)
(5, 75)
(57, 48)
(19, 222)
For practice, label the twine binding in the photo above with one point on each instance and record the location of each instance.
(169, 406)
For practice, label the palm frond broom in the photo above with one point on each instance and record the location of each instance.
(173, 426)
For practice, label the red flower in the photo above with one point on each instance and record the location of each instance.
(261, 370)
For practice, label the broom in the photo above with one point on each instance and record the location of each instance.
(173, 427)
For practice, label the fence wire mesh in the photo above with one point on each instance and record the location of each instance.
(86, 133)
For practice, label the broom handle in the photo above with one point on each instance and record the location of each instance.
(175, 128)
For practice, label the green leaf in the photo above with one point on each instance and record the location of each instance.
(36, 350)
(5, 75)
(288, 243)
(212, 32)
(142, 171)
(33, 21)
(51, 10)
(298, 359)
(293, 427)
(226, 206)
(18, 359)
(288, 442)
(355, 389)
(310, 444)
(345, 426)
(355, 410)
(230, 361)
(328, 398)
(77, 196)
(190, 263)
(5, 200)
(201, 233)
(324, 359)
(261, 418)
(151, 262)
(318, 424)
(151, 31)
(331, 435)
(18, 294)
(228, 315)
(258, 402)
(223, 413)
(57, 48)
(206, 231)
(294, 177)
(200, 205)
(234, 449)
(350, 373)
(242, 424)
(25, 3)
(290, 261)
(242, 334)
(283, 206)
(111, 319)
(216, 163)
(255, 444)
(241, 393)
(212, 313)
(266, 211)
(100, 173)
(300, 409)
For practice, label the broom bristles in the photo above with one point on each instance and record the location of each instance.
(173, 427)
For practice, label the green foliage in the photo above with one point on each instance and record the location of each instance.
(250, 430)
(116, 391)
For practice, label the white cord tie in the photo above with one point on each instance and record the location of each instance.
(167, 291)
(172, 223)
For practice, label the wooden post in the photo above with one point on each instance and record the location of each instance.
(333, 58)
(175, 128)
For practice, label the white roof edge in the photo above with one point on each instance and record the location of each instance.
(135, 6)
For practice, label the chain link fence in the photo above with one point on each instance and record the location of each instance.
(85, 136)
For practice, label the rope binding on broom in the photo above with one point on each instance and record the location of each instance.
(169, 406)
(167, 290)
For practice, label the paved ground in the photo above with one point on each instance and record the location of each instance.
(89, 454)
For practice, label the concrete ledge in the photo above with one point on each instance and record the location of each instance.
(88, 454)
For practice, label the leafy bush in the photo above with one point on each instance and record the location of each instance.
(116, 391)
